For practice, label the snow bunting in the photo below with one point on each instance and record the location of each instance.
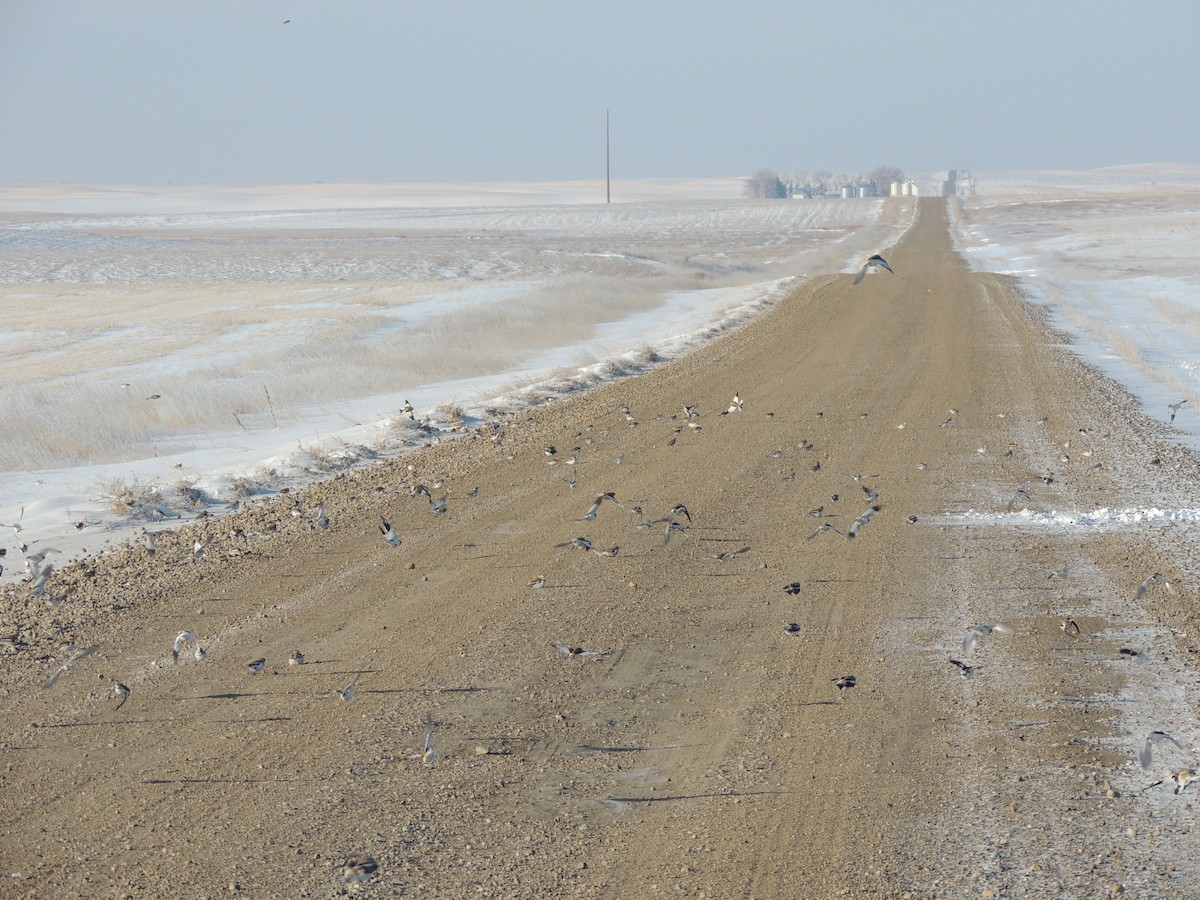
(122, 691)
(359, 869)
(574, 652)
(975, 632)
(844, 684)
(1146, 754)
(388, 532)
(347, 693)
(874, 262)
(69, 664)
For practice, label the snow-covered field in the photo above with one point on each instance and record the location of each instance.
(172, 349)
(167, 349)
(1115, 254)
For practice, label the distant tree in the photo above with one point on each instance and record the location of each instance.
(820, 181)
(883, 176)
(764, 185)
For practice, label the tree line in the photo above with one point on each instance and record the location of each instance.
(766, 184)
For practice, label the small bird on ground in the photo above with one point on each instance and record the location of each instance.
(388, 532)
(182, 638)
(319, 518)
(430, 754)
(1146, 754)
(257, 666)
(874, 262)
(729, 554)
(791, 628)
(574, 652)
(295, 658)
(843, 684)
(607, 551)
(347, 693)
(1183, 778)
(1070, 627)
(359, 869)
(69, 664)
(1139, 656)
(794, 588)
(122, 691)
(539, 582)
(975, 632)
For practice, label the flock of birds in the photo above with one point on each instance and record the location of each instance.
(673, 523)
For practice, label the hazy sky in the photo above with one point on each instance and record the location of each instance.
(421, 90)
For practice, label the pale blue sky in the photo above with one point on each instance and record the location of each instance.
(401, 90)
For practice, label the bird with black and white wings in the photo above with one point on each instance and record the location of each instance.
(875, 262)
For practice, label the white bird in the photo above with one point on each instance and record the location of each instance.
(1174, 408)
(539, 582)
(389, 533)
(844, 684)
(257, 666)
(965, 669)
(975, 632)
(69, 664)
(574, 652)
(595, 507)
(295, 658)
(122, 691)
(319, 519)
(1156, 577)
(875, 262)
(359, 869)
(430, 754)
(438, 507)
(182, 638)
(828, 526)
(1146, 754)
(1021, 496)
(861, 521)
(198, 548)
(347, 693)
(581, 542)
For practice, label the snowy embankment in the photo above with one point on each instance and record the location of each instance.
(1114, 255)
(169, 352)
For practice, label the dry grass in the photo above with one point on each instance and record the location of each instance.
(136, 499)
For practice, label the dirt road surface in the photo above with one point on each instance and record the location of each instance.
(703, 751)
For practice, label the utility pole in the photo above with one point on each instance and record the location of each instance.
(607, 163)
